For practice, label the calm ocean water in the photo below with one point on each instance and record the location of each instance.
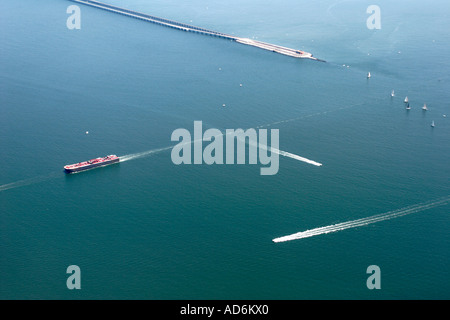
(148, 229)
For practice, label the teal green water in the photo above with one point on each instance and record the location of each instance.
(148, 229)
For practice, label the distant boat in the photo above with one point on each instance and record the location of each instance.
(424, 108)
(392, 93)
(406, 100)
(432, 123)
(407, 106)
(368, 75)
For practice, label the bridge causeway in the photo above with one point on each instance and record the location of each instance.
(189, 28)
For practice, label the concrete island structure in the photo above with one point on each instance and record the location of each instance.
(185, 27)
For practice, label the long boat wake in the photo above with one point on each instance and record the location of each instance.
(27, 182)
(138, 155)
(365, 221)
(286, 154)
(280, 152)
(296, 157)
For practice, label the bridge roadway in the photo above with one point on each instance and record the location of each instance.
(185, 27)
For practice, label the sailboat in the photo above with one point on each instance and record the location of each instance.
(432, 123)
(392, 93)
(407, 106)
(368, 75)
(424, 108)
(406, 100)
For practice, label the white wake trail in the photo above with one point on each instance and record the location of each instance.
(27, 182)
(296, 157)
(365, 221)
(285, 153)
(142, 154)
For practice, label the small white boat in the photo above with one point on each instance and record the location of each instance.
(424, 108)
(406, 100)
(392, 93)
(432, 123)
(407, 106)
(368, 75)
